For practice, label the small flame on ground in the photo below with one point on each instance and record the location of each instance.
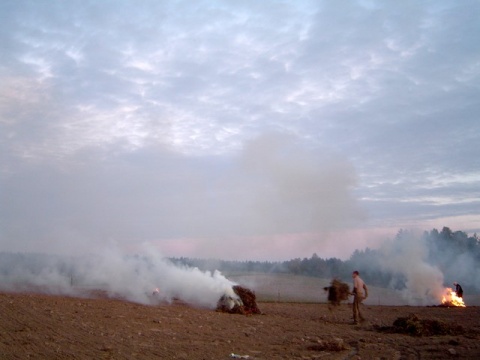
(451, 299)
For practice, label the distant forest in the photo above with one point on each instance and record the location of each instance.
(399, 263)
(456, 254)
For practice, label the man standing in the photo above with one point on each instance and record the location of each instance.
(458, 290)
(360, 292)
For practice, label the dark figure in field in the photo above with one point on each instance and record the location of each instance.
(458, 290)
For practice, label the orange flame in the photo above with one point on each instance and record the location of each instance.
(451, 299)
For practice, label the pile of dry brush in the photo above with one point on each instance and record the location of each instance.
(248, 305)
(413, 325)
(337, 291)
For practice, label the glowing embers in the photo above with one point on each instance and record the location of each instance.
(450, 298)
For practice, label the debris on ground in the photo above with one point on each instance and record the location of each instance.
(334, 344)
(236, 356)
(412, 325)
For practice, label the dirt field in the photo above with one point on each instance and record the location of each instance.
(57, 327)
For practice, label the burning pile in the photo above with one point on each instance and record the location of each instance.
(243, 302)
(451, 299)
(337, 291)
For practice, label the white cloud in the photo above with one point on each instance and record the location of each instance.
(391, 87)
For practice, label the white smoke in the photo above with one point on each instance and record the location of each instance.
(133, 278)
(407, 256)
(275, 187)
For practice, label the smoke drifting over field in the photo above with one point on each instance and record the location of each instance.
(421, 266)
(133, 278)
(122, 137)
(416, 267)
(275, 187)
(408, 259)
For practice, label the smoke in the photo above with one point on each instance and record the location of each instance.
(417, 269)
(274, 187)
(107, 201)
(291, 188)
(133, 278)
(407, 258)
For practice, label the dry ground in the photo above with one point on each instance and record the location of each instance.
(58, 327)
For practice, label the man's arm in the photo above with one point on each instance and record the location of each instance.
(366, 290)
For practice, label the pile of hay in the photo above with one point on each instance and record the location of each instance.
(414, 326)
(246, 303)
(337, 291)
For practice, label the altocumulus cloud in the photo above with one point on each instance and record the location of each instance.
(213, 120)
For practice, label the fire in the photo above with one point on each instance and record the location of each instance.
(451, 299)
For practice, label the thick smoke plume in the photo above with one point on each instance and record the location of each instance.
(133, 278)
(422, 267)
(408, 259)
(189, 206)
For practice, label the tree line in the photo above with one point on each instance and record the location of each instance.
(454, 253)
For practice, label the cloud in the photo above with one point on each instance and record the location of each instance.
(130, 104)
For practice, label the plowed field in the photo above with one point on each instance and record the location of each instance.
(37, 326)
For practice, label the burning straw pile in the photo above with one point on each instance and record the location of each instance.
(337, 291)
(245, 303)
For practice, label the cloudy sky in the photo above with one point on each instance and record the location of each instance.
(261, 130)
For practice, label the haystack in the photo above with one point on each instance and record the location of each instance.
(415, 326)
(337, 291)
(245, 304)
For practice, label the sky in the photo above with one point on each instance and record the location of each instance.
(236, 130)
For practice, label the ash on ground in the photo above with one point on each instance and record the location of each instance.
(243, 301)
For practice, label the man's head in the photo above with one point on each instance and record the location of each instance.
(355, 273)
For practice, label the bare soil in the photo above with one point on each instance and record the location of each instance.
(35, 326)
